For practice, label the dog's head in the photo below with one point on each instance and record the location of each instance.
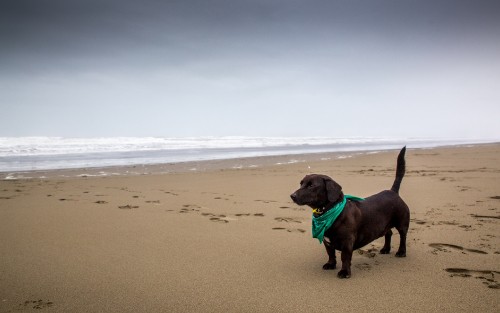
(317, 191)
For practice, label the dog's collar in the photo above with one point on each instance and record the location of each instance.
(318, 211)
(321, 223)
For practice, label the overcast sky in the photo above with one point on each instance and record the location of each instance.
(250, 67)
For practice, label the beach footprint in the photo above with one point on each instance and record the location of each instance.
(487, 276)
(485, 216)
(290, 230)
(288, 220)
(419, 222)
(220, 219)
(170, 193)
(297, 208)
(266, 201)
(363, 266)
(445, 247)
(36, 304)
(128, 207)
(188, 208)
(66, 199)
(370, 253)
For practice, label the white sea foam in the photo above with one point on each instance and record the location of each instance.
(32, 146)
(36, 153)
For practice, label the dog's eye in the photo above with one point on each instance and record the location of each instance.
(309, 185)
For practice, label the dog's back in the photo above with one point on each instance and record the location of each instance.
(379, 213)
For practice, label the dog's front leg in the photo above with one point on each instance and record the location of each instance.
(346, 256)
(332, 261)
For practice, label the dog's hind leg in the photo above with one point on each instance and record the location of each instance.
(402, 241)
(387, 245)
(332, 261)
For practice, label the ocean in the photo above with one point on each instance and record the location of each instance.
(19, 154)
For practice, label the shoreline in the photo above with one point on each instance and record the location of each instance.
(183, 167)
(28, 154)
(204, 165)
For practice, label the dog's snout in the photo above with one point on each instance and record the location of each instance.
(294, 196)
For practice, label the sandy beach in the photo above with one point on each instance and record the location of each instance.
(221, 236)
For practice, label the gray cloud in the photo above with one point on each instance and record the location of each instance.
(222, 67)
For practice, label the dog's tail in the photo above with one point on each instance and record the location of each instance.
(400, 170)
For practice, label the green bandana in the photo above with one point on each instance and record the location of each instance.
(321, 223)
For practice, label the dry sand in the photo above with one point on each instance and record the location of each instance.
(215, 240)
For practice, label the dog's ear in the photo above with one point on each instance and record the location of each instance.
(333, 190)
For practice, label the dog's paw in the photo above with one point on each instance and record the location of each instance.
(330, 266)
(343, 274)
(401, 254)
(385, 251)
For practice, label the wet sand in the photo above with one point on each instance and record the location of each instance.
(224, 236)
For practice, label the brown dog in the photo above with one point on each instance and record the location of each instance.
(360, 222)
